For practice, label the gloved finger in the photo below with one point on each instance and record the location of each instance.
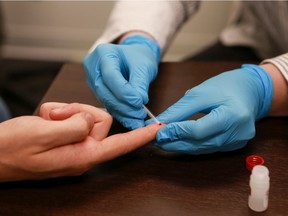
(210, 133)
(131, 118)
(128, 116)
(112, 76)
(234, 146)
(131, 123)
(207, 126)
(140, 81)
(90, 65)
(196, 147)
(187, 146)
(191, 103)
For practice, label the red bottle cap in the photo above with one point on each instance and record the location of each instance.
(253, 160)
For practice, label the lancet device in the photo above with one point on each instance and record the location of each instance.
(151, 115)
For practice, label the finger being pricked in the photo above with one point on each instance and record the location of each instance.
(60, 111)
(77, 158)
(120, 144)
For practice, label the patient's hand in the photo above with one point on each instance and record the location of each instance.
(66, 140)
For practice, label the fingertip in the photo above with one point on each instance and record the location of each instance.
(152, 121)
(57, 113)
(155, 126)
(44, 111)
(149, 132)
(144, 134)
(56, 110)
(63, 112)
(51, 105)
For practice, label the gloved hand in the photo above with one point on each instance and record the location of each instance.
(120, 75)
(232, 102)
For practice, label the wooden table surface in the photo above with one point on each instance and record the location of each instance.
(149, 181)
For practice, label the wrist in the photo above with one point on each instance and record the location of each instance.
(144, 40)
(266, 89)
(279, 105)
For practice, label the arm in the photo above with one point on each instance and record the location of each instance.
(231, 101)
(120, 75)
(278, 69)
(159, 19)
(68, 140)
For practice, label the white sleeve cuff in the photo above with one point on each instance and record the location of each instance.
(160, 19)
(281, 62)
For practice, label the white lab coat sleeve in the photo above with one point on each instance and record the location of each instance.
(281, 62)
(160, 19)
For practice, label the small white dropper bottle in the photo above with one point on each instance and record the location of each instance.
(259, 185)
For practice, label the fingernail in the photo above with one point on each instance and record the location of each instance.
(56, 110)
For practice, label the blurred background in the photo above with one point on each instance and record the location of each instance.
(38, 37)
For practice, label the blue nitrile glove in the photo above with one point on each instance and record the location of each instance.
(232, 102)
(120, 75)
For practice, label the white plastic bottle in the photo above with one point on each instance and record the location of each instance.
(259, 185)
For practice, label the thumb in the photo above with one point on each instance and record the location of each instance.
(47, 107)
(175, 131)
(71, 130)
(189, 105)
(117, 81)
(210, 125)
